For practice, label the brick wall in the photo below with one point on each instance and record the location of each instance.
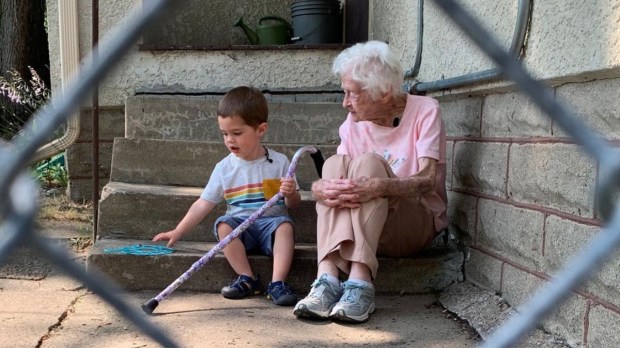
(522, 197)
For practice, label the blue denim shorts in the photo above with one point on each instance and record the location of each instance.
(258, 237)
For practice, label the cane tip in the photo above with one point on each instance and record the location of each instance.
(149, 307)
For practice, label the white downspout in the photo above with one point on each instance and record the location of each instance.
(69, 66)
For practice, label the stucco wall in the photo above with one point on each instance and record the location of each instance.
(192, 71)
(568, 41)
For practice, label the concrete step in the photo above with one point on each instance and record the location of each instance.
(189, 163)
(432, 270)
(195, 118)
(137, 211)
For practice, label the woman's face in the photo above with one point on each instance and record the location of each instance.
(359, 103)
(242, 140)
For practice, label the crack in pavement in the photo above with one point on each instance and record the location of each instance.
(61, 318)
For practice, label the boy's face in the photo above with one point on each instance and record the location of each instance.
(241, 139)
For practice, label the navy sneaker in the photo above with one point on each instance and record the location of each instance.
(281, 294)
(243, 286)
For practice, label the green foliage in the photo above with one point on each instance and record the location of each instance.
(19, 100)
(51, 175)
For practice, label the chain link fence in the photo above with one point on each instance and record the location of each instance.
(18, 192)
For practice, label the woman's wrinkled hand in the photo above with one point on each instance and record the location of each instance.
(327, 192)
(345, 193)
(364, 189)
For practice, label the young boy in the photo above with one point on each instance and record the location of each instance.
(243, 179)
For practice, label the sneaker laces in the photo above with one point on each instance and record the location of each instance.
(317, 291)
(316, 282)
(280, 289)
(352, 293)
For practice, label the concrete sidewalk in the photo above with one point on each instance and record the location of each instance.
(42, 307)
(57, 312)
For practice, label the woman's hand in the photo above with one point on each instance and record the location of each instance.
(346, 193)
(327, 191)
(364, 189)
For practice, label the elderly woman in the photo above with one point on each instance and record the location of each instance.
(383, 193)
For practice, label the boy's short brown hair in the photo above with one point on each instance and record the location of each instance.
(246, 102)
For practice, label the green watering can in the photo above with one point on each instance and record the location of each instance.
(275, 31)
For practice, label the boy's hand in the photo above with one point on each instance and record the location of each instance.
(171, 236)
(288, 187)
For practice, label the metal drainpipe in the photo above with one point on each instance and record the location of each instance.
(69, 65)
(413, 72)
(518, 38)
(95, 111)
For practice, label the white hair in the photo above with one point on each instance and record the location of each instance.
(373, 65)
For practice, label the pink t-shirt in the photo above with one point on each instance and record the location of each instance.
(420, 133)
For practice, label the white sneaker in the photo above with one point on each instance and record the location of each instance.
(322, 297)
(355, 305)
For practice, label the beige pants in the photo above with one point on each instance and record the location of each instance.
(392, 226)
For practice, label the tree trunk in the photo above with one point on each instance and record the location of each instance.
(23, 39)
(23, 44)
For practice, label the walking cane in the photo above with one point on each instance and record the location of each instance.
(149, 306)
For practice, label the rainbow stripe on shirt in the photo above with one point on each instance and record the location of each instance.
(249, 196)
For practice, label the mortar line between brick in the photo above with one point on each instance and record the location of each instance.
(501, 278)
(544, 234)
(476, 222)
(586, 323)
(512, 263)
(596, 182)
(88, 177)
(597, 300)
(452, 164)
(507, 171)
(520, 141)
(90, 141)
(555, 94)
(481, 116)
(600, 301)
(546, 210)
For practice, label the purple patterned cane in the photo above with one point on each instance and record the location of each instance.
(149, 306)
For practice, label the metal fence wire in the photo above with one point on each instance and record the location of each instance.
(590, 258)
(18, 192)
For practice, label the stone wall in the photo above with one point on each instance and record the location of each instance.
(522, 196)
(80, 154)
